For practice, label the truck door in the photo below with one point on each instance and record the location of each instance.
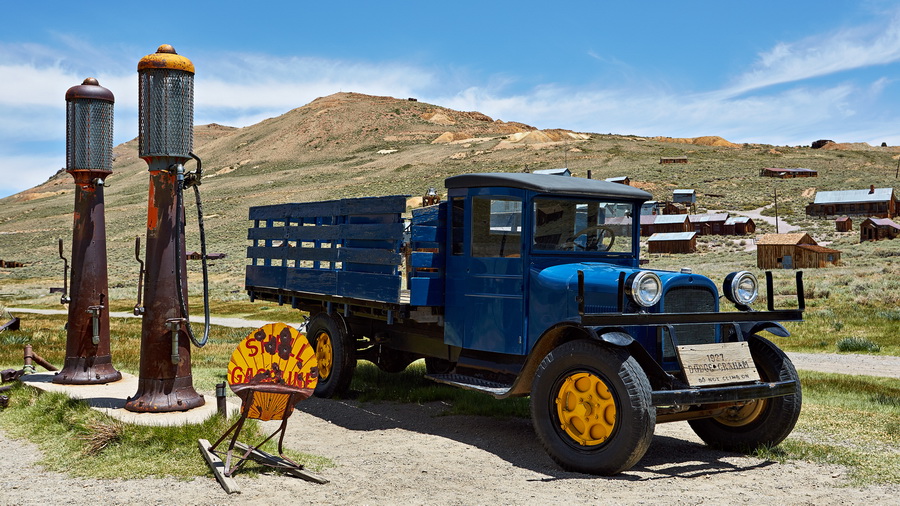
(485, 271)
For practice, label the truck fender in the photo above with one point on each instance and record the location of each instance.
(776, 328)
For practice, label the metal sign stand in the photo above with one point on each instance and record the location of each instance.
(273, 369)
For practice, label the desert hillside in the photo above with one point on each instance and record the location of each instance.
(348, 144)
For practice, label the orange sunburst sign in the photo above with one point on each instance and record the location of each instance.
(273, 360)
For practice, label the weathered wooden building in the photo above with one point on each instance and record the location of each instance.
(673, 159)
(621, 180)
(675, 242)
(876, 229)
(843, 224)
(684, 197)
(740, 225)
(793, 251)
(877, 202)
(709, 223)
(664, 223)
(787, 173)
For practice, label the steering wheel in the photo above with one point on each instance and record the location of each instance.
(599, 238)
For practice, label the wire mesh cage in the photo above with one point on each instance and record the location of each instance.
(89, 127)
(166, 112)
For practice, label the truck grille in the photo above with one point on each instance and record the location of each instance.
(688, 299)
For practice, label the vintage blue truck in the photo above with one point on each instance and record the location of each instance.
(526, 284)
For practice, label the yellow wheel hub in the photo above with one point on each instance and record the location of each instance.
(586, 409)
(742, 415)
(324, 354)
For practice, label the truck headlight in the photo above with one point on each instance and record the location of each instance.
(645, 288)
(741, 287)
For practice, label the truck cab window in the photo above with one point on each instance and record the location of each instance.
(582, 225)
(496, 227)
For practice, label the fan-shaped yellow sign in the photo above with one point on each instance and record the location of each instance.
(275, 358)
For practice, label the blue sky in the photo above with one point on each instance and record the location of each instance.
(783, 73)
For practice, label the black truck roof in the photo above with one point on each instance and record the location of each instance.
(545, 183)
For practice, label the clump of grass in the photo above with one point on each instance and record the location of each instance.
(856, 344)
(102, 433)
(81, 441)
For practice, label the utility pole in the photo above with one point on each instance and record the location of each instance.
(776, 210)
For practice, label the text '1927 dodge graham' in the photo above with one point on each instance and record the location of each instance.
(527, 284)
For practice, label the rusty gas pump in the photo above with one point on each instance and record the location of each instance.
(166, 115)
(89, 141)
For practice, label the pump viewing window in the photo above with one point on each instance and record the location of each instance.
(496, 227)
(582, 225)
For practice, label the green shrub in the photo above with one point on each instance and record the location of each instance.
(852, 344)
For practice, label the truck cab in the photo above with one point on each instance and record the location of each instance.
(532, 285)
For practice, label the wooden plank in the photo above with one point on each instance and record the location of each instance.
(255, 233)
(270, 460)
(717, 363)
(431, 215)
(371, 286)
(427, 259)
(374, 205)
(428, 234)
(218, 468)
(265, 276)
(311, 281)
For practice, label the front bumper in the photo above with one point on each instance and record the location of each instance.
(728, 393)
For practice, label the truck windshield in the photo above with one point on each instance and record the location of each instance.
(582, 225)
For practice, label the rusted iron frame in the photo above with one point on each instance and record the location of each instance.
(247, 392)
(31, 356)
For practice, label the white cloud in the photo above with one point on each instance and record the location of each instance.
(821, 55)
(20, 172)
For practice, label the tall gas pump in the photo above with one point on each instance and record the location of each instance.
(166, 136)
(89, 142)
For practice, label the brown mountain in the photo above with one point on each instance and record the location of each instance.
(348, 144)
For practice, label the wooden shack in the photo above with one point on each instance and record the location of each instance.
(684, 196)
(787, 173)
(709, 223)
(740, 225)
(620, 180)
(877, 202)
(876, 229)
(793, 251)
(843, 224)
(676, 242)
(664, 223)
(673, 159)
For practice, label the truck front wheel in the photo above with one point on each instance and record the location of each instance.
(762, 422)
(591, 408)
(335, 354)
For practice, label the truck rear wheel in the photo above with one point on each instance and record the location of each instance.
(763, 422)
(591, 408)
(335, 353)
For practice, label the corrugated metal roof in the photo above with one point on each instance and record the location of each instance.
(665, 219)
(672, 236)
(854, 196)
(737, 219)
(705, 218)
(774, 169)
(884, 222)
(683, 192)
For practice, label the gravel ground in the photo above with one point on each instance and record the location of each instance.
(409, 454)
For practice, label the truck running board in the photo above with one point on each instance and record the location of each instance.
(498, 390)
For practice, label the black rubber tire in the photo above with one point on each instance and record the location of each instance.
(635, 415)
(435, 365)
(778, 414)
(337, 382)
(393, 361)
